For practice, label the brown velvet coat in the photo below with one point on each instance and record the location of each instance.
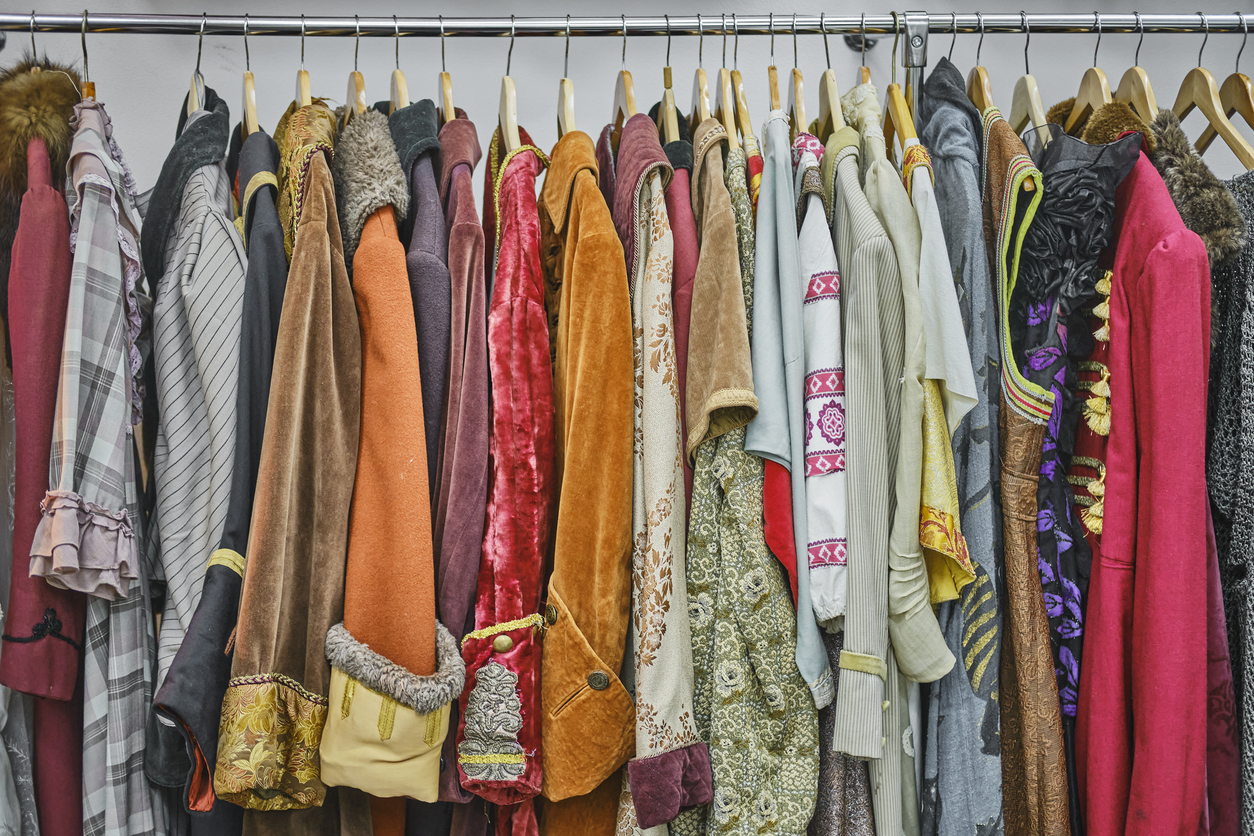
(294, 579)
(589, 717)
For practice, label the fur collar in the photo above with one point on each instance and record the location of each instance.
(423, 694)
(368, 176)
(1105, 124)
(1205, 205)
(31, 105)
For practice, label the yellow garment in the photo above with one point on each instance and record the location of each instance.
(949, 566)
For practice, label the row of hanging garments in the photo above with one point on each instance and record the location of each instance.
(882, 474)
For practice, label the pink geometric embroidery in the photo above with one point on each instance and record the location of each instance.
(824, 285)
(832, 423)
(806, 142)
(820, 464)
(825, 382)
(834, 552)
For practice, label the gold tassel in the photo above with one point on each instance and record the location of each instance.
(1097, 414)
(1103, 334)
(1103, 284)
(1102, 309)
(1102, 386)
(1092, 515)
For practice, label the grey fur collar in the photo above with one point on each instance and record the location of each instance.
(1205, 205)
(368, 176)
(423, 694)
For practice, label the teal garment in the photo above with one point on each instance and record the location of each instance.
(751, 703)
(778, 432)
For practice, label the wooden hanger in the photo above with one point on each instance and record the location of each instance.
(797, 122)
(700, 110)
(1136, 91)
(743, 121)
(667, 116)
(979, 86)
(831, 117)
(507, 112)
(725, 106)
(1026, 105)
(1236, 95)
(248, 123)
(303, 97)
(400, 90)
(1094, 88)
(898, 124)
(566, 93)
(355, 98)
(772, 75)
(444, 96)
(1200, 91)
(624, 95)
(864, 74)
(196, 92)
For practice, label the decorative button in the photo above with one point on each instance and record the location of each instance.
(598, 680)
(550, 614)
(502, 644)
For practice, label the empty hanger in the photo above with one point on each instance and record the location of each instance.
(1199, 90)
(743, 122)
(1094, 88)
(1026, 105)
(864, 74)
(400, 90)
(566, 93)
(1236, 95)
(772, 75)
(979, 86)
(248, 124)
(898, 124)
(796, 93)
(725, 97)
(831, 118)
(700, 84)
(355, 99)
(1134, 88)
(89, 87)
(624, 95)
(507, 112)
(446, 109)
(303, 98)
(196, 91)
(667, 118)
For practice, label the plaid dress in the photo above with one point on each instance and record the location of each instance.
(89, 535)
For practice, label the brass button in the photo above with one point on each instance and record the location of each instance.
(502, 644)
(550, 614)
(598, 680)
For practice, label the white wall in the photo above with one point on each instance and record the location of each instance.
(142, 78)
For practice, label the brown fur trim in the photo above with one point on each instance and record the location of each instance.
(1058, 113)
(1109, 121)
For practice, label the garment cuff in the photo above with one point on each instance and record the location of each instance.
(83, 547)
(922, 653)
(424, 694)
(860, 706)
(40, 658)
(498, 735)
(664, 784)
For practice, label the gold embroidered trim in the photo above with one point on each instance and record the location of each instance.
(499, 176)
(535, 620)
(915, 156)
(1092, 516)
(1097, 408)
(229, 558)
(350, 691)
(1087, 461)
(432, 733)
(387, 718)
(864, 662)
(938, 533)
(501, 758)
(261, 178)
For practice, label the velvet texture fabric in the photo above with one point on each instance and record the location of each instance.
(294, 586)
(589, 718)
(43, 638)
(499, 747)
(1137, 772)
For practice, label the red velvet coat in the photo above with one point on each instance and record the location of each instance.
(1150, 696)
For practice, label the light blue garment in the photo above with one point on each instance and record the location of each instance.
(778, 432)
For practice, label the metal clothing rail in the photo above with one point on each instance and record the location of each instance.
(634, 25)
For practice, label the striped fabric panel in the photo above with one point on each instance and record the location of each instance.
(196, 329)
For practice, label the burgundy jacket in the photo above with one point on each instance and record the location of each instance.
(1156, 683)
(502, 655)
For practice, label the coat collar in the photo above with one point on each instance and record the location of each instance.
(415, 132)
(368, 176)
(573, 153)
(680, 151)
(708, 133)
(639, 153)
(458, 146)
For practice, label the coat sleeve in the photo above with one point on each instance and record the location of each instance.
(1171, 323)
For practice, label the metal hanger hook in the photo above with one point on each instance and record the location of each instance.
(771, 25)
(1097, 24)
(32, 34)
(397, 25)
(980, 46)
(566, 61)
(1140, 27)
(357, 42)
(1206, 28)
(668, 39)
(953, 24)
(624, 17)
(862, 30)
(1023, 18)
(247, 66)
(896, 35)
(826, 51)
(200, 39)
(443, 66)
(700, 42)
(794, 40)
(736, 43)
(509, 56)
(1245, 34)
(86, 77)
(723, 26)
(302, 42)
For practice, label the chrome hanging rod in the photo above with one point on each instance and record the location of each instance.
(430, 27)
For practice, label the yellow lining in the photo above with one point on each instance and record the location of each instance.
(864, 662)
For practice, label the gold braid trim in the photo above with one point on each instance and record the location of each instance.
(229, 558)
(915, 156)
(502, 758)
(535, 620)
